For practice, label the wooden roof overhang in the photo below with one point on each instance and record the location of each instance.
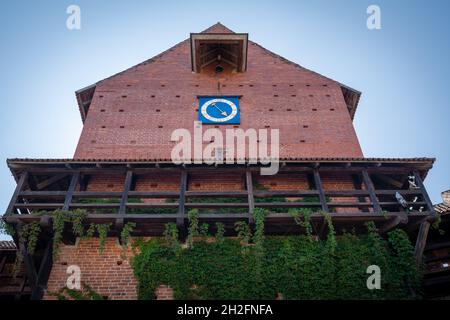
(380, 165)
(84, 98)
(207, 48)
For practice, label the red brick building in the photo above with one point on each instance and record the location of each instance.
(124, 153)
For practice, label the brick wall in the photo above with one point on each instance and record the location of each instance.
(133, 114)
(340, 181)
(108, 273)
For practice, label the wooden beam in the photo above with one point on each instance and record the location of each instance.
(421, 241)
(392, 223)
(425, 218)
(369, 186)
(323, 199)
(27, 260)
(182, 200)
(126, 190)
(2, 265)
(319, 188)
(14, 198)
(72, 187)
(48, 182)
(424, 192)
(44, 272)
(251, 199)
(390, 180)
(21, 289)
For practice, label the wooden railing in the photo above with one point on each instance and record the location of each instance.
(367, 199)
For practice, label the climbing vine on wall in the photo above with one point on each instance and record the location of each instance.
(297, 267)
(29, 233)
(86, 293)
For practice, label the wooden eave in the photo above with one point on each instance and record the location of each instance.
(232, 47)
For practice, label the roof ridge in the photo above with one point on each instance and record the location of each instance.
(218, 24)
(152, 59)
(275, 55)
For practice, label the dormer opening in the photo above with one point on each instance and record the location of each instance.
(220, 51)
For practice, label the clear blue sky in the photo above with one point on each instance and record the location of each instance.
(402, 69)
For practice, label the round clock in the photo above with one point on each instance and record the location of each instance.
(219, 110)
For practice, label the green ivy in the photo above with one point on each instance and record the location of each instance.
(298, 267)
(86, 293)
(102, 230)
(5, 228)
(193, 229)
(220, 233)
(125, 234)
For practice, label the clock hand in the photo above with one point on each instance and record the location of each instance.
(221, 112)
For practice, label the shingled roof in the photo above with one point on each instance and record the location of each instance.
(444, 206)
(7, 246)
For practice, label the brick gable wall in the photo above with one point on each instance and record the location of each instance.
(133, 114)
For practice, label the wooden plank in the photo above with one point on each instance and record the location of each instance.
(144, 205)
(182, 201)
(369, 186)
(126, 189)
(251, 199)
(393, 192)
(23, 178)
(424, 192)
(421, 241)
(159, 194)
(42, 194)
(219, 194)
(142, 218)
(72, 187)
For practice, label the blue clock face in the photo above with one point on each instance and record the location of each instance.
(219, 110)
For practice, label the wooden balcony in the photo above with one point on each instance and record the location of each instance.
(47, 185)
(350, 191)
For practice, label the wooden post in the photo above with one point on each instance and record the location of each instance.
(323, 199)
(44, 272)
(369, 186)
(319, 188)
(425, 195)
(72, 187)
(27, 260)
(182, 201)
(126, 189)
(421, 241)
(251, 199)
(13, 201)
